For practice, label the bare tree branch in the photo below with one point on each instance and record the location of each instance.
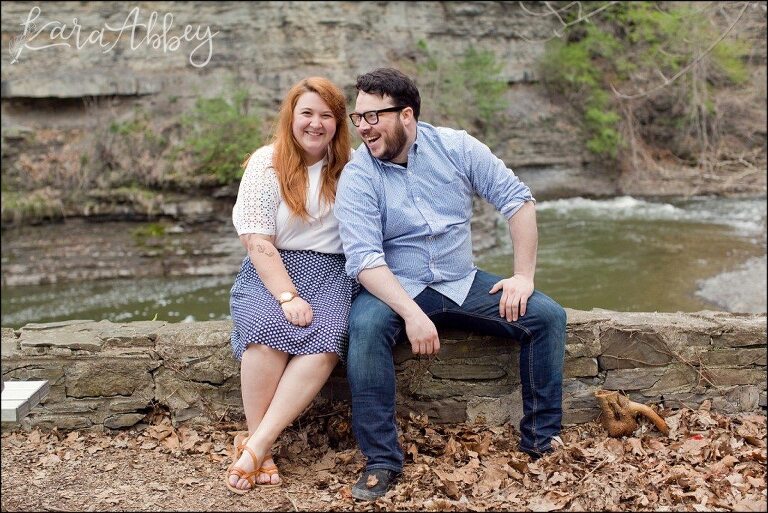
(687, 68)
(551, 11)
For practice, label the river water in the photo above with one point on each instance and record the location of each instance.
(622, 253)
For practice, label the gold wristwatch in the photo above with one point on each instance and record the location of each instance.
(286, 296)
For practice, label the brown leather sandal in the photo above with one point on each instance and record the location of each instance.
(242, 474)
(270, 471)
(240, 438)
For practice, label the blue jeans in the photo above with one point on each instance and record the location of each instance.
(374, 329)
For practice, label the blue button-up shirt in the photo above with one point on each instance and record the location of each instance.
(416, 219)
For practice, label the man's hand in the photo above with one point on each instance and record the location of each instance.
(514, 298)
(422, 333)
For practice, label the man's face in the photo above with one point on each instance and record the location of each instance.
(386, 140)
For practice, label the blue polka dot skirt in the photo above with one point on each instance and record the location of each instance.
(321, 281)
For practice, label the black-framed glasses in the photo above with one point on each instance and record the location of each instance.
(371, 116)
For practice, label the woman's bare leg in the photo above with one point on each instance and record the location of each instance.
(260, 370)
(302, 379)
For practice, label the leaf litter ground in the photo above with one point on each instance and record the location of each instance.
(709, 462)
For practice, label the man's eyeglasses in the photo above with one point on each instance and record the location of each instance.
(372, 116)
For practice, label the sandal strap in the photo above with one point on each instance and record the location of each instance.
(271, 470)
(254, 458)
(242, 474)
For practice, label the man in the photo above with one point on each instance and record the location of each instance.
(404, 204)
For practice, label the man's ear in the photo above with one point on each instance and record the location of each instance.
(407, 115)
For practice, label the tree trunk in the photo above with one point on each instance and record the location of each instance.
(618, 414)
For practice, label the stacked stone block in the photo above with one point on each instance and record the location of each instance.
(110, 375)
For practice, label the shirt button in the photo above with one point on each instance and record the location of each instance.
(418, 198)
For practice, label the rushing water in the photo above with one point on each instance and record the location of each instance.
(617, 254)
(642, 255)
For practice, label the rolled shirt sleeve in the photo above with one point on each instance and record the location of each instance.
(493, 180)
(360, 221)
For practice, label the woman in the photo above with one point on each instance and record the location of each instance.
(290, 300)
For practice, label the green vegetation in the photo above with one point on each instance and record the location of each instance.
(146, 231)
(32, 206)
(222, 133)
(464, 93)
(631, 47)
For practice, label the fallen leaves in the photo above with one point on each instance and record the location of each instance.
(709, 462)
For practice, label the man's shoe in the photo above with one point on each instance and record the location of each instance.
(385, 479)
(556, 443)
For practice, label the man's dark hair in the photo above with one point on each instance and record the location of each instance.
(392, 83)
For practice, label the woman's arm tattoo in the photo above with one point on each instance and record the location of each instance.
(261, 249)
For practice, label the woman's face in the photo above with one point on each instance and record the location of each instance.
(314, 126)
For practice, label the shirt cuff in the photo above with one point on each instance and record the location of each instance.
(512, 207)
(369, 262)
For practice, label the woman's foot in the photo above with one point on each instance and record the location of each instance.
(242, 475)
(268, 473)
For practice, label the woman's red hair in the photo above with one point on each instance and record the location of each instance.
(287, 158)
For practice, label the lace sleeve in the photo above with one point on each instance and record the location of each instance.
(258, 196)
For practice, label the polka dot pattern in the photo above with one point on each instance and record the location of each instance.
(320, 280)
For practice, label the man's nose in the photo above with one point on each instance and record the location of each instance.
(363, 125)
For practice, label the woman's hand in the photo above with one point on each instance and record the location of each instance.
(297, 311)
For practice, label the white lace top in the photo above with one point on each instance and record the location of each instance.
(260, 209)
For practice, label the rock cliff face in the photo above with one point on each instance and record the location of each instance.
(266, 47)
(71, 67)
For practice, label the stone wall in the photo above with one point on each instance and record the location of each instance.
(110, 375)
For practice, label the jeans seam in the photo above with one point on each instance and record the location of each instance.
(533, 393)
(384, 466)
(494, 319)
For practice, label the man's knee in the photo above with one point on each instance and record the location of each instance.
(551, 313)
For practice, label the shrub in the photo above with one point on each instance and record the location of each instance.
(221, 133)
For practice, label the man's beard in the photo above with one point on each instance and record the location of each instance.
(394, 144)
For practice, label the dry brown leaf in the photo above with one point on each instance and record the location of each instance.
(171, 442)
(550, 502)
(346, 456)
(615, 447)
(327, 463)
(751, 503)
(188, 439)
(451, 447)
(371, 481)
(754, 440)
(413, 451)
(345, 492)
(447, 481)
(635, 446)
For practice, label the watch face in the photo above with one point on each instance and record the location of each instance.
(286, 296)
